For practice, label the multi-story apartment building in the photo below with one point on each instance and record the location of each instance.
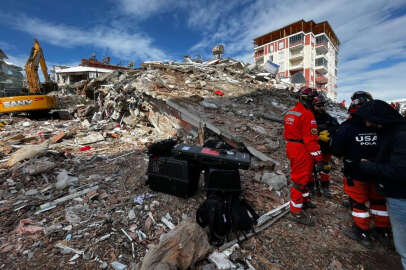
(307, 47)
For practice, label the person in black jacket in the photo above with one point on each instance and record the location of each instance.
(388, 170)
(354, 141)
(326, 125)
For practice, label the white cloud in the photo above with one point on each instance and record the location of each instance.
(5, 46)
(18, 60)
(119, 41)
(143, 9)
(366, 30)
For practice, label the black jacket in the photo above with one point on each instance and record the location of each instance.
(388, 171)
(326, 122)
(354, 141)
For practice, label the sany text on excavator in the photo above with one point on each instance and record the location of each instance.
(34, 98)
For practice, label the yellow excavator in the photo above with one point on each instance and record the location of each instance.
(35, 98)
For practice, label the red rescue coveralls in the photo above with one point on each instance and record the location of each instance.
(302, 149)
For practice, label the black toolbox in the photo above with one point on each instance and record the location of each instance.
(173, 176)
(213, 158)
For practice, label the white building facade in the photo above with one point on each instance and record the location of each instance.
(305, 47)
(70, 75)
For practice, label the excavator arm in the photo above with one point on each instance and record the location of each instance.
(35, 59)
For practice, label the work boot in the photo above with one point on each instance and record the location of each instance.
(384, 237)
(309, 205)
(301, 218)
(359, 235)
(325, 188)
(310, 186)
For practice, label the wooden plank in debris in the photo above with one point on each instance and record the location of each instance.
(201, 134)
(68, 197)
(261, 156)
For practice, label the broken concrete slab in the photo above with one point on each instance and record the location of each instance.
(274, 180)
(63, 180)
(89, 139)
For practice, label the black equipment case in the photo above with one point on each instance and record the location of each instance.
(213, 158)
(222, 181)
(173, 176)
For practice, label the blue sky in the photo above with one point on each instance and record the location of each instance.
(372, 33)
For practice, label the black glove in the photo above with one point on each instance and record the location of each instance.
(319, 166)
(350, 166)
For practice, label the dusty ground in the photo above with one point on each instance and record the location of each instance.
(284, 245)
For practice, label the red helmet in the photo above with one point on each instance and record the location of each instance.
(357, 99)
(306, 95)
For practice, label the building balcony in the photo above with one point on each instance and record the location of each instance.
(295, 56)
(259, 54)
(293, 66)
(296, 45)
(320, 79)
(321, 48)
(321, 65)
(322, 69)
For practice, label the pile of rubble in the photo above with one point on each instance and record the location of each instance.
(73, 193)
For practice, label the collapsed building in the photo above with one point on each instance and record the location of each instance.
(11, 77)
(87, 70)
(74, 193)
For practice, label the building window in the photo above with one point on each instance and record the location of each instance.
(281, 45)
(259, 53)
(296, 39)
(271, 58)
(270, 48)
(321, 62)
(321, 39)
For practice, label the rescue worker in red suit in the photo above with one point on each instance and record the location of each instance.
(327, 125)
(303, 151)
(355, 141)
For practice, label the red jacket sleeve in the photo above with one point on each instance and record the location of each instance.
(310, 135)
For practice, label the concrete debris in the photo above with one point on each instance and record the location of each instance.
(73, 214)
(118, 266)
(68, 197)
(53, 228)
(67, 250)
(63, 179)
(92, 138)
(274, 180)
(39, 166)
(220, 259)
(186, 244)
(25, 227)
(27, 152)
